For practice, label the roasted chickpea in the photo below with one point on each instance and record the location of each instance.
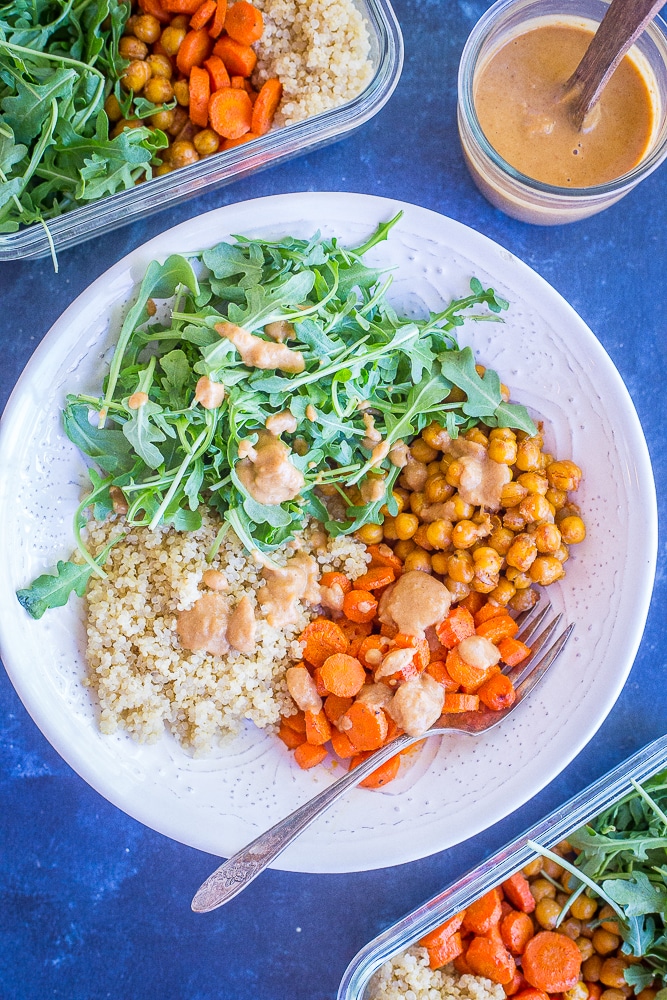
(487, 560)
(147, 28)
(436, 436)
(572, 529)
(547, 538)
(535, 507)
(440, 563)
(136, 76)
(158, 90)
(433, 469)
(534, 482)
(182, 92)
(403, 549)
(454, 473)
(557, 498)
(542, 888)
(421, 538)
(564, 475)
(533, 867)
(437, 489)
(370, 534)
(112, 108)
(439, 533)
(179, 121)
(477, 436)
(586, 948)
(512, 494)
(607, 918)
(421, 451)
(462, 509)
(460, 567)
(130, 47)
(578, 992)
(163, 119)
(171, 38)
(513, 521)
(615, 994)
(528, 455)
(521, 581)
(502, 445)
(571, 927)
(459, 591)
(523, 600)
(163, 169)
(500, 539)
(611, 973)
(552, 868)
(591, 968)
(545, 570)
(503, 592)
(417, 502)
(125, 123)
(522, 553)
(406, 525)
(419, 559)
(464, 534)
(605, 942)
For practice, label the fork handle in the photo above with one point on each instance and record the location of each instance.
(234, 875)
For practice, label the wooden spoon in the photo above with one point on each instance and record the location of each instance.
(619, 29)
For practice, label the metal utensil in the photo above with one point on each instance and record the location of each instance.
(234, 875)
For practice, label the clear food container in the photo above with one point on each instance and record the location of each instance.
(557, 826)
(386, 55)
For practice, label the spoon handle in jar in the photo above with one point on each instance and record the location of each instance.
(234, 875)
(619, 29)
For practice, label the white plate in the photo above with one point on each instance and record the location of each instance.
(455, 787)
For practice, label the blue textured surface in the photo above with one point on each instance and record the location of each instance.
(92, 904)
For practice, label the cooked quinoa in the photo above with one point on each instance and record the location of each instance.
(408, 977)
(144, 679)
(318, 49)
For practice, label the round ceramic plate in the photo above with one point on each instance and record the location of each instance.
(457, 785)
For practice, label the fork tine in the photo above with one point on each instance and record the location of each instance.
(516, 674)
(531, 625)
(540, 668)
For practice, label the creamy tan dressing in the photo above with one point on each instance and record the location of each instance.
(482, 479)
(415, 602)
(267, 473)
(417, 704)
(285, 585)
(209, 394)
(241, 627)
(258, 353)
(302, 689)
(518, 99)
(204, 625)
(279, 422)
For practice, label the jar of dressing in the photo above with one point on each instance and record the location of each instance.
(522, 151)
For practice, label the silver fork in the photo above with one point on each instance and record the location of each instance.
(234, 875)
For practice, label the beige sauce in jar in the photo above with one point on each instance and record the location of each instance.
(518, 100)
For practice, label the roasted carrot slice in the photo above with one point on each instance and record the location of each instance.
(240, 60)
(200, 92)
(244, 23)
(215, 30)
(193, 51)
(343, 675)
(513, 651)
(551, 962)
(490, 958)
(263, 112)
(380, 776)
(318, 730)
(497, 628)
(497, 693)
(460, 703)
(308, 755)
(322, 639)
(483, 914)
(458, 625)
(517, 891)
(358, 605)
(203, 14)
(366, 726)
(290, 738)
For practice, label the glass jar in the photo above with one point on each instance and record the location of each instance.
(502, 184)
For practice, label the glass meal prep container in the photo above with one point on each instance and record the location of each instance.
(278, 145)
(557, 826)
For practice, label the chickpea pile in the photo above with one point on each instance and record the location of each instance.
(591, 925)
(152, 48)
(502, 554)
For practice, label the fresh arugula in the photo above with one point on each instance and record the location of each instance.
(58, 62)
(623, 860)
(171, 457)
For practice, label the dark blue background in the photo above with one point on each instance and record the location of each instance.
(94, 905)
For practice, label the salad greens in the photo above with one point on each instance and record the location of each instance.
(58, 62)
(170, 456)
(623, 860)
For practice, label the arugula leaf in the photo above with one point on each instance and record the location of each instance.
(53, 590)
